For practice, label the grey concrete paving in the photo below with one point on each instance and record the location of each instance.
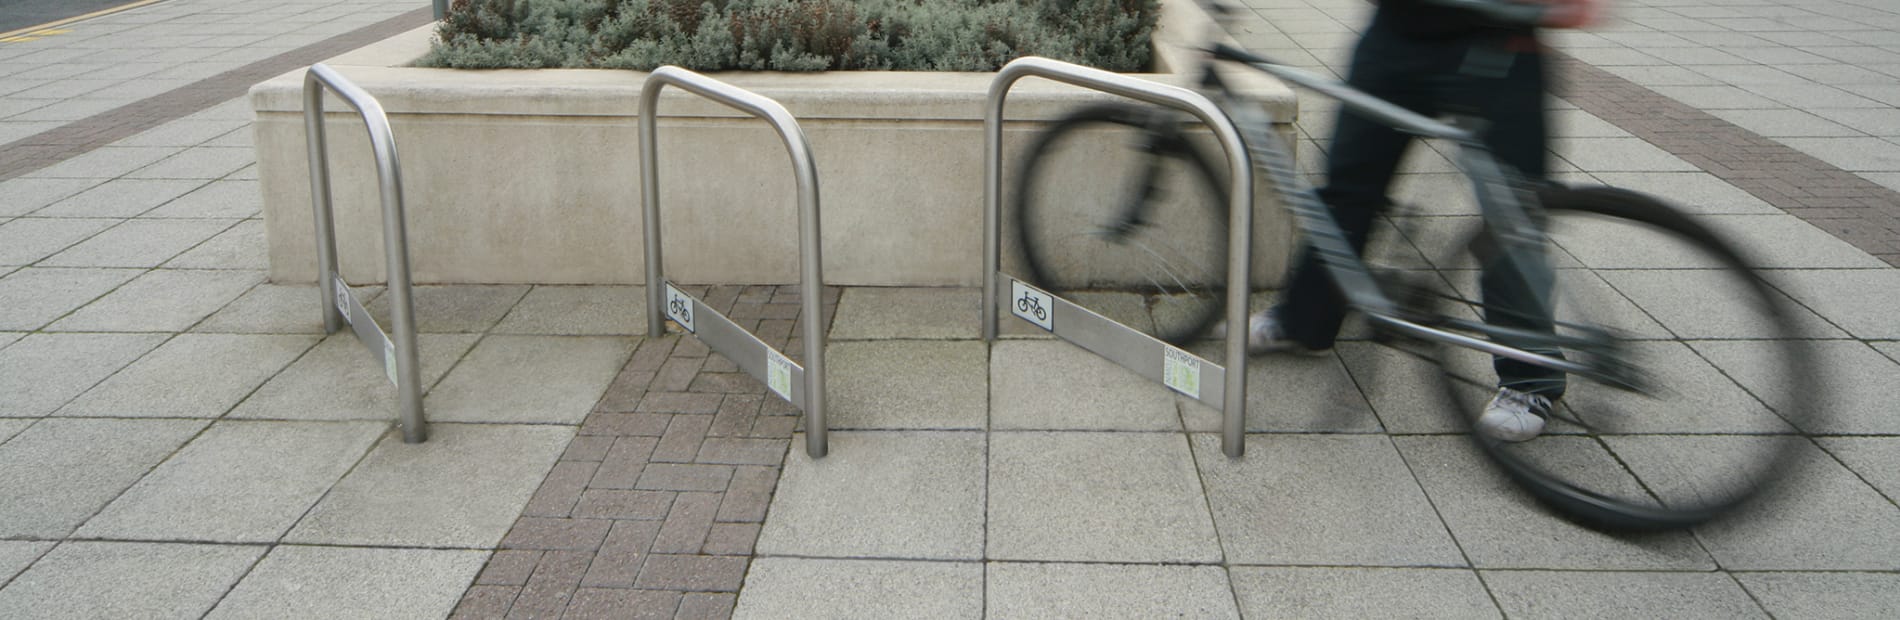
(995, 480)
(461, 489)
(909, 495)
(332, 582)
(861, 589)
(125, 580)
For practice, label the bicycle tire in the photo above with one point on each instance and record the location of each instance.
(1616, 460)
(1174, 262)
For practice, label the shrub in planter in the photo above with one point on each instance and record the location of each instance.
(792, 35)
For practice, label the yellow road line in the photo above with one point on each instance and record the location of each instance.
(61, 22)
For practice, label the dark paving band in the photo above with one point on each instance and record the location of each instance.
(1858, 211)
(58, 144)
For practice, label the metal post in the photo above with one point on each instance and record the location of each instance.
(407, 371)
(809, 250)
(441, 9)
(1240, 208)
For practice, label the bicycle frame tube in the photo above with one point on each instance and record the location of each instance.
(1498, 197)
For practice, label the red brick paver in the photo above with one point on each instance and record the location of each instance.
(654, 509)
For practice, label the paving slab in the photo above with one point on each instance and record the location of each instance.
(184, 133)
(26, 240)
(1550, 594)
(907, 384)
(16, 555)
(1097, 497)
(1045, 590)
(1288, 393)
(1617, 155)
(1787, 242)
(216, 199)
(1875, 459)
(27, 195)
(1499, 526)
(12, 426)
(579, 311)
(126, 580)
(338, 380)
(454, 308)
(531, 379)
(860, 589)
(1336, 500)
(1409, 393)
(199, 162)
(240, 247)
(339, 582)
(119, 198)
(1049, 384)
(1861, 301)
(273, 309)
(1825, 594)
(36, 296)
(237, 482)
(109, 162)
(1799, 524)
(866, 313)
(1854, 399)
(1696, 303)
(462, 488)
(1355, 592)
(884, 494)
(163, 300)
(1695, 397)
(41, 372)
(191, 376)
(139, 243)
(56, 474)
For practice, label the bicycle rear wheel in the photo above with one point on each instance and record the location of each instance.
(1702, 405)
(1127, 222)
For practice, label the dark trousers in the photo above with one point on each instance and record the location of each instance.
(1494, 77)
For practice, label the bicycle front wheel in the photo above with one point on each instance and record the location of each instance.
(1695, 401)
(1129, 223)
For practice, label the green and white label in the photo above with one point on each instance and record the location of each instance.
(342, 298)
(389, 362)
(1181, 371)
(778, 374)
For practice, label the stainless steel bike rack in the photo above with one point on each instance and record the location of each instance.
(804, 387)
(398, 355)
(1222, 388)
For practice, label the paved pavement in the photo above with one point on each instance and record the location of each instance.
(178, 438)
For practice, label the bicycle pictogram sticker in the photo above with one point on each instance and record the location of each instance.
(1030, 304)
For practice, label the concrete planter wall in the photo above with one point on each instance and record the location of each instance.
(533, 177)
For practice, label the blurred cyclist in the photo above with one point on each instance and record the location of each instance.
(1475, 57)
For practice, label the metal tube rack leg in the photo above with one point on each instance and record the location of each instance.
(804, 386)
(1180, 370)
(397, 355)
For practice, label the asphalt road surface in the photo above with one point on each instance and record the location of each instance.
(17, 14)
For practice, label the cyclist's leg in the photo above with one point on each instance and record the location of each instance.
(1518, 297)
(1360, 163)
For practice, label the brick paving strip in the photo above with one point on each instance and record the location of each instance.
(1858, 211)
(653, 510)
(60, 143)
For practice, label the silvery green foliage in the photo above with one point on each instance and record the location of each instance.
(792, 35)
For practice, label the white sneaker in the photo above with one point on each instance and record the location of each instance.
(1514, 416)
(1265, 335)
